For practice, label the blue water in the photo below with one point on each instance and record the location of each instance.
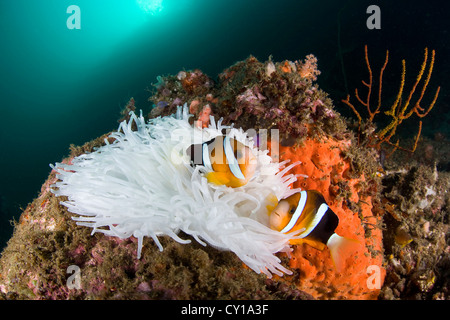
(60, 86)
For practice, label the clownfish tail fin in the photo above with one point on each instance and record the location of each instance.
(341, 248)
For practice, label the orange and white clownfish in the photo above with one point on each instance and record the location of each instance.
(308, 213)
(228, 161)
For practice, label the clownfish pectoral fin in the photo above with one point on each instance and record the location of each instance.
(315, 244)
(218, 178)
(312, 243)
(341, 248)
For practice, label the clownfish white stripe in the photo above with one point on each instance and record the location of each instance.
(206, 157)
(232, 161)
(319, 215)
(297, 213)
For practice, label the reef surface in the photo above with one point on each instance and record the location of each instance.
(399, 214)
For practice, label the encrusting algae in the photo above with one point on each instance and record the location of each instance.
(276, 101)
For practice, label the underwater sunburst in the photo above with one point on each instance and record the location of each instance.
(150, 6)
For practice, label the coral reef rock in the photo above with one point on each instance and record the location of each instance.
(50, 257)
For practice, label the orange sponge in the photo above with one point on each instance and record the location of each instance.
(329, 173)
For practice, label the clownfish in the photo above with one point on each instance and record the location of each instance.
(228, 161)
(308, 213)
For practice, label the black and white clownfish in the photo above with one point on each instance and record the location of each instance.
(308, 213)
(228, 161)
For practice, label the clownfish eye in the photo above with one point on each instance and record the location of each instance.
(292, 211)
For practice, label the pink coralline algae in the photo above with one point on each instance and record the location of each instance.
(265, 95)
(251, 101)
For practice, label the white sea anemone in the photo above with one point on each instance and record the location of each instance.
(142, 184)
